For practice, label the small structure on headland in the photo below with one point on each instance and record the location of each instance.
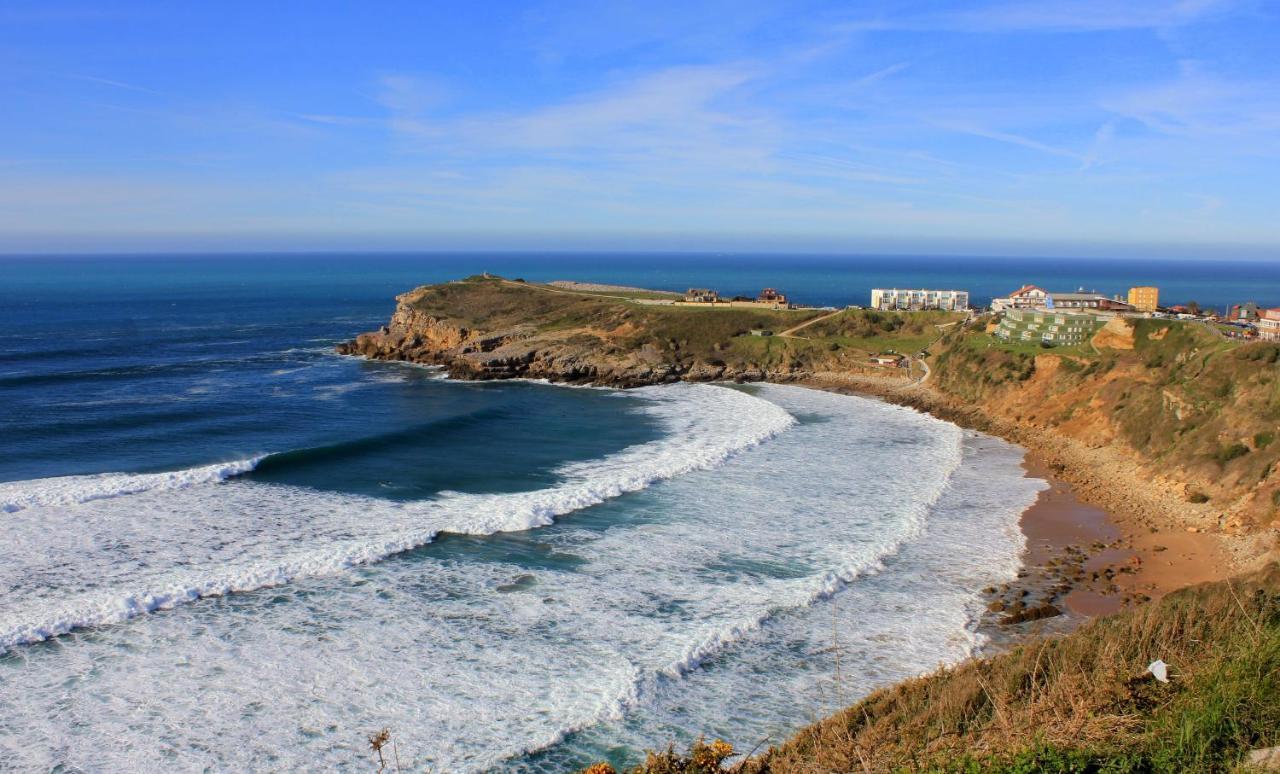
(887, 359)
(701, 296)
(771, 296)
(913, 299)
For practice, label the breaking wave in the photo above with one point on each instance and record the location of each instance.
(74, 490)
(704, 425)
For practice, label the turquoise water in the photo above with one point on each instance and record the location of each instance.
(228, 548)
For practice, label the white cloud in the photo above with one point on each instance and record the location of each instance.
(1197, 104)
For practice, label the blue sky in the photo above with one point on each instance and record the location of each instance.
(1149, 127)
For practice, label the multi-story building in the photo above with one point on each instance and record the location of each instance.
(1144, 298)
(1269, 324)
(1025, 297)
(917, 299)
(1053, 328)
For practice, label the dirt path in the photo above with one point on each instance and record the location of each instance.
(789, 332)
(565, 291)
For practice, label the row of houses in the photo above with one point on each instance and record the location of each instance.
(767, 297)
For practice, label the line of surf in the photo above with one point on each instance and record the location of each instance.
(73, 490)
(705, 425)
(803, 594)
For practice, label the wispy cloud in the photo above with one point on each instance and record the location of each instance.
(1198, 104)
(881, 74)
(1011, 139)
(666, 112)
(116, 84)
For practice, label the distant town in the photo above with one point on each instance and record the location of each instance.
(1033, 314)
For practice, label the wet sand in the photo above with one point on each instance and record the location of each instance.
(1081, 560)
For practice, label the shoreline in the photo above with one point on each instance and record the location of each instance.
(1084, 556)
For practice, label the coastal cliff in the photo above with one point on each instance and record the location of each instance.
(1161, 420)
(491, 328)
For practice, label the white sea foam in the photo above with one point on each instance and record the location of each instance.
(704, 604)
(704, 426)
(72, 490)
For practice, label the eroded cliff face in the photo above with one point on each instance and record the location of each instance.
(601, 351)
(1201, 416)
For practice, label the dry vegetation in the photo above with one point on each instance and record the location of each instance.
(1189, 404)
(1079, 703)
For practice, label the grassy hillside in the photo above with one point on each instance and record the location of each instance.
(1079, 703)
(1191, 404)
(687, 334)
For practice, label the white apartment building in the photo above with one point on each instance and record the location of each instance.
(914, 299)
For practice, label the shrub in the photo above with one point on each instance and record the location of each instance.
(1230, 452)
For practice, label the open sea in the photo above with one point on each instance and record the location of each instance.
(227, 548)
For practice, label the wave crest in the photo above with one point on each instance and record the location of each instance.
(705, 426)
(73, 490)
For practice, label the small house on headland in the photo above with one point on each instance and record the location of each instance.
(701, 296)
(771, 296)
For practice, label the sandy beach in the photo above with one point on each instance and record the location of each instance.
(1085, 556)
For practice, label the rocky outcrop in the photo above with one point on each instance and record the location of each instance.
(610, 348)
(519, 351)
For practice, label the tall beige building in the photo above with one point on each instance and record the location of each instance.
(1144, 299)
